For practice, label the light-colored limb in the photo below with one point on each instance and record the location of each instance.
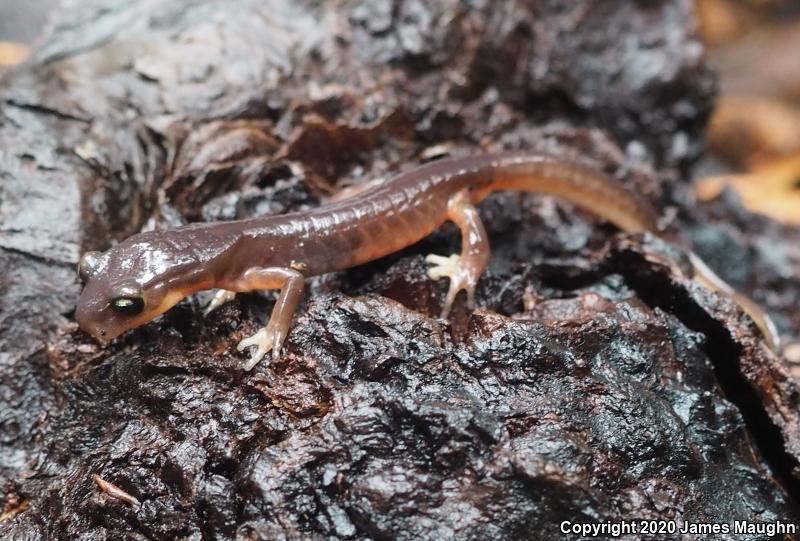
(463, 270)
(221, 296)
(270, 338)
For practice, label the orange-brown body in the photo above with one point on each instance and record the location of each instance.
(148, 273)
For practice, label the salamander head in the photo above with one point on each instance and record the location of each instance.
(127, 286)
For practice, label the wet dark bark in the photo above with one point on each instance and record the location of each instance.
(594, 383)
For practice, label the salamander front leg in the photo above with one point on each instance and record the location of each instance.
(463, 270)
(270, 338)
(221, 296)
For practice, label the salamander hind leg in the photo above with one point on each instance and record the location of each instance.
(463, 270)
(270, 338)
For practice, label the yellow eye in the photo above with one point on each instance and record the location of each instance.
(127, 299)
(128, 306)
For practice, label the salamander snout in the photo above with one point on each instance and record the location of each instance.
(93, 317)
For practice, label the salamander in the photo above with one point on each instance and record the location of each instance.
(145, 275)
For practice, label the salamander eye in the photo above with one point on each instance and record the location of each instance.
(127, 300)
(89, 265)
(129, 306)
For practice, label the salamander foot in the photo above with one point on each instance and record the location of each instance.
(443, 267)
(463, 274)
(221, 296)
(267, 339)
